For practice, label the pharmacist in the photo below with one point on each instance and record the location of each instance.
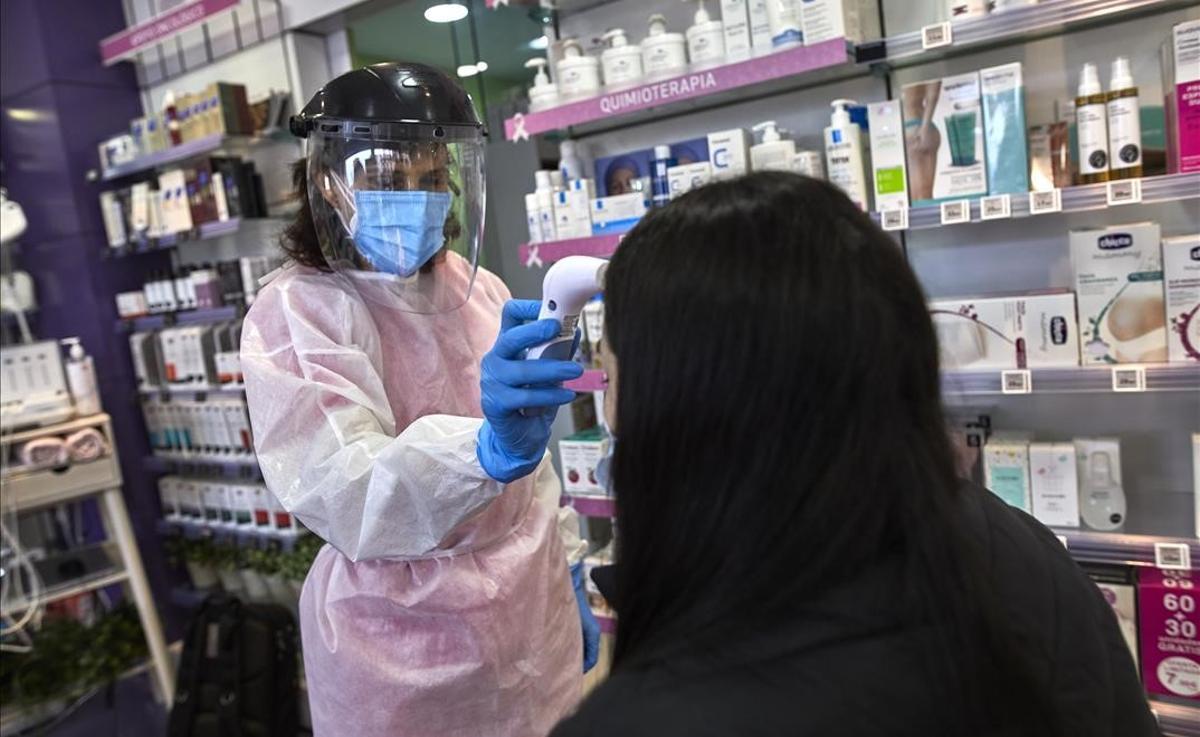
(443, 604)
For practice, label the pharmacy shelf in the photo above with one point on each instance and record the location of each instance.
(1112, 547)
(206, 231)
(246, 537)
(1163, 377)
(1155, 190)
(537, 255)
(790, 69)
(1177, 719)
(590, 506)
(185, 317)
(182, 152)
(244, 467)
(192, 390)
(98, 580)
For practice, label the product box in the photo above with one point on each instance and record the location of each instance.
(760, 27)
(168, 494)
(889, 175)
(573, 209)
(1006, 470)
(1181, 280)
(685, 178)
(1168, 624)
(176, 211)
(260, 504)
(241, 500)
(1119, 287)
(945, 150)
(1049, 157)
(190, 500)
(1196, 477)
(729, 153)
(1032, 330)
(1101, 494)
(1181, 87)
(1054, 486)
(1004, 129)
(617, 214)
(735, 20)
(580, 454)
(282, 519)
(1118, 586)
(630, 172)
(854, 20)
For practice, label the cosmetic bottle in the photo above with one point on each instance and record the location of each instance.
(660, 182)
(775, 152)
(663, 53)
(621, 61)
(81, 379)
(705, 38)
(1124, 123)
(1091, 120)
(578, 73)
(544, 93)
(845, 160)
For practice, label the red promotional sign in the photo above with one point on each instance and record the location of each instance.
(162, 26)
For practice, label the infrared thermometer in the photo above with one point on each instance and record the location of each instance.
(568, 286)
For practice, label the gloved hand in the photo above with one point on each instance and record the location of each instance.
(591, 628)
(511, 442)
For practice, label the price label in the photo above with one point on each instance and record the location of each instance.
(958, 211)
(996, 207)
(938, 34)
(1125, 192)
(894, 219)
(1041, 203)
(1018, 381)
(1129, 379)
(1173, 556)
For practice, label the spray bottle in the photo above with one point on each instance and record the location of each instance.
(544, 93)
(1091, 119)
(81, 378)
(1124, 123)
(844, 154)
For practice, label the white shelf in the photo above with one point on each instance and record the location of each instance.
(1162, 377)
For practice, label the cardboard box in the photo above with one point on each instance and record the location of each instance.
(1181, 280)
(1168, 623)
(1054, 484)
(685, 178)
(1031, 330)
(1101, 492)
(1006, 470)
(573, 209)
(1181, 87)
(630, 172)
(823, 20)
(729, 153)
(580, 454)
(890, 176)
(1119, 288)
(946, 159)
(1118, 586)
(1007, 154)
(1049, 157)
(617, 214)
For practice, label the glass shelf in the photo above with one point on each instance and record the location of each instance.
(206, 231)
(185, 317)
(183, 152)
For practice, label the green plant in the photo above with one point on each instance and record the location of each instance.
(294, 564)
(263, 560)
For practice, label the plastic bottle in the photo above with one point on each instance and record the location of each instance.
(660, 184)
(544, 93)
(1124, 123)
(663, 53)
(705, 38)
(1091, 120)
(545, 204)
(775, 152)
(844, 157)
(578, 73)
(81, 379)
(171, 120)
(621, 61)
(784, 17)
(570, 163)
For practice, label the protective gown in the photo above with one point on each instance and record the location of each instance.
(442, 605)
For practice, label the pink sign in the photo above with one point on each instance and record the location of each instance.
(537, 255)
(684, 87)
(591, 381)
(162, 26)
(1185, 155)
(1167, 621)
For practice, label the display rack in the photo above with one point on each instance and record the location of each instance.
(206, 231)
(1161, 377)
(183, 152)
(1176, 719)
(246, 537)
(243, 467)
(183, 317)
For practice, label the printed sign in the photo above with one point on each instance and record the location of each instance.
(1044, 202)
(1129, 379)
(936, 35)
(1125, 192)
(958, 211)
(1168, 626)
(996, 207)
(894, 219)
(1019, 381)
(130, 41)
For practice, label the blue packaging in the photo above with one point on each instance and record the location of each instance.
(619, 174)
(1005, 143)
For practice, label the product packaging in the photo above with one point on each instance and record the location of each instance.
(1101, 494)
(943, 131)
(705, 39)
(1006, 470)
(688, 177)
(631, 171)
(177, 213)
(621, 61)
(573, 209)
(854, 20)
(578, 73)
(617, 214)
(1053, 484)
(775, 152)
(1168, 623)
(168, 495)
(580, 454)
(1181, 279)
(809, 163)
(1181, 86)
(663, 53)
(1118, 586)
(735, 16)
(1119, 286)
(729, 153)
(1030, 330)
(1049, 157)
(890, 178)
(533, 218)
(760, 26)
(1004, 129)
(845, 158)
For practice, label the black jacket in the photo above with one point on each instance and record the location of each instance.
(851, 669)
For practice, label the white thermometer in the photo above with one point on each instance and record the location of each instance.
(568, 286)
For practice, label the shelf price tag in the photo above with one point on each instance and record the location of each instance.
(1173, 556)
(1125, 192)
(958, 211)
(1018, 381)
(996, 207)
(1129, 378)
(936, 35)
(1041, 203)
(895, 218)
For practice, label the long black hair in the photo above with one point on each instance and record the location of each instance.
(780, 429)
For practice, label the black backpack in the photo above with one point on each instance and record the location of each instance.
(238, 673)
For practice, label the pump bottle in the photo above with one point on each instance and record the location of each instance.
(544, 93)
(706, 38)
(1091, 120)
(844, 154)
(81, 378)
(621, 61)
(578, 73)
(660, 184)
(663, 53)
(1124, 123)
(775, 152)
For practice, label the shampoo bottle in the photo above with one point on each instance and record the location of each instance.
(775, 152)
(1124, 123)
(663, 53)
(578, 73)
(81, 378)
(1091, 119)
(621, 61)
(544, 93)
(706, 38)
(844, 157)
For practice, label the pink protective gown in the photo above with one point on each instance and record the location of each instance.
(442, 606)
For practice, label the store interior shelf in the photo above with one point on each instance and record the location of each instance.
(590, 506)
(1074, 380)
(206, 231)
(1159, 189)
(536, 255)
(228, 466)
(185, 317)
(61, 429)
(182, 152)
(1175, 718)
(240, 535)
(184, 389)
(1115, 547)
(98, 580)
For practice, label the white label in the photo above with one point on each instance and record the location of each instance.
(1092, 123)
(1018, 381)
(996, 207)
(1129, 379)
(894, 219)
(1125, 192)
(938, 34)
(958, 211)
(1124, 132)
(1044, 202)
(1173, 556)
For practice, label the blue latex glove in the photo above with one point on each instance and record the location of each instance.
(591, 628)
(511, 443)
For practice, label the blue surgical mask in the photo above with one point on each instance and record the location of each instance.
(398, 232)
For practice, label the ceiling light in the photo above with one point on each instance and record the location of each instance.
(468, 70)
(539, 43)
(445, 12)
(481, 66)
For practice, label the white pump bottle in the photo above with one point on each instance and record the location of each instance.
(81, 378)
(663, 53)
(544, 93)
(706, 38)
(568, 286)
(775, 152)
(844, 157)
(578, 73)
(621, 61)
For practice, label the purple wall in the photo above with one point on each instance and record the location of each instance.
(57, 102)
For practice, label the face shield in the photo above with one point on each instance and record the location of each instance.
(400, 204)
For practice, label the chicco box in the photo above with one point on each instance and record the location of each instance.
(581, 453)
(1168, 621)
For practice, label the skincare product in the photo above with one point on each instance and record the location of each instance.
(775, 152)
(570, 160)
(618, 213)
(687, 177)
(1101, 496)
(660, 186)
(580, 454)
(1033, 330)
(1053, 484)
(1124, 123)
(544, 195)
(663, 53)
(844, 157)
(1118, 586)
(887, 155)
(81, 379)
(1181, 280)
(593, 327)
(1091, 116)
(760, 26)
(1004, 129)
(854, 20)
(1169, 632)
(544, 93)
(578, 73)
(809, 163)
(784, 19)
(729, 153)
(1181, 86)
(1006, 470)
(532, 218)
(622, 61)
(705, 38)
(943, 138)
(177, 213)
(573, 209)
(1049, 157)
(735, 21)
(1119, 285)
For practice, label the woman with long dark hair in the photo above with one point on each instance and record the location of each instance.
(796, 554)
